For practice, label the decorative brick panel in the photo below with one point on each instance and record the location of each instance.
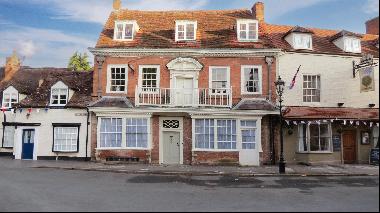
(142, 155)
(155, 139)
(187, 140)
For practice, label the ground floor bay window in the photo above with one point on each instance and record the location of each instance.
(124, 133)
(314, 137)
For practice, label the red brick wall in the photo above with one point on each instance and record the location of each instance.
(215, 158)
(234, 63)
(187, 140)
(143, 155)
(155, 140)
(94, 138)
(373, 26)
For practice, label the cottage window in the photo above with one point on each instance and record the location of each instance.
(219, 79)
(10, 97)
(111, 132)
(186, 30)
(66, 139)
(248, 134)
(137, 133)
(247, 30)
(251, 79)
(117, 79)
(302, 41)
(221, 136)
(150, 78)
(9, 133)
(311, 88)
(352, 45)
(124, 30)
(314, 137)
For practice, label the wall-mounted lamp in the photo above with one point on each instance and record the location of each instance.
(372, 105)
(340, 104)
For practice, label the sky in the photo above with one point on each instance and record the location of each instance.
(45, 33)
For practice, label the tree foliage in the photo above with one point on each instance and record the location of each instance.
(79, 62)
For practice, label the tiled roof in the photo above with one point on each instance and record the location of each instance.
(321, 40)
(331, 113)
(27, 81)
(298, 29)
(216, 29)
(255, 104)
(108, 101)
(345, 33)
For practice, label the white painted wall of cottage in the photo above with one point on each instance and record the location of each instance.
(45, 131)
(337, 82)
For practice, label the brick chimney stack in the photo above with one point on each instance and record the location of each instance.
(116, 4)
(373, 26)
(258, 11)
(12, 65)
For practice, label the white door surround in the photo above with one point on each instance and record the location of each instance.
(170, 124)
(19, 140)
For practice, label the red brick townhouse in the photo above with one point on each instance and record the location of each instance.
(176, 87)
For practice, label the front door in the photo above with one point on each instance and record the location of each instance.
(184, 91)
(349, 147)
(27, 144)
(171, 148)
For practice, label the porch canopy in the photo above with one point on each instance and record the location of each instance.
(323, 113)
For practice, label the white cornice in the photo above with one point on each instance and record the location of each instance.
(123, 52)
(191, 111)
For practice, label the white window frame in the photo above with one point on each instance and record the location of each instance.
(124, 23)
(185, 23)
(10, 91)
(76, 139)
(109, 77)
(59, 86)
(348, 44)
(228, 87)
(303, 46)
(249, 128)
(158, 75)
(124, 132)
(147, 133)
(317, 84)
(9, 136)
(243, 80)
(329, 151)
(247, 22)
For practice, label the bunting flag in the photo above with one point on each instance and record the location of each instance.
(357, 123)
(287, 122)
(3, 109)
(30, 110)
(351, 122)
(46, 109)
(293, 83)
(303, 122)
(345, 122)
(365, 123)
(38, 110)
(332, 120)
(20, 110)
(295, 123)
(377, 124)
(370, 124)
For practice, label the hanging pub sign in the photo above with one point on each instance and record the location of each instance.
(367, 79)
(365, 62)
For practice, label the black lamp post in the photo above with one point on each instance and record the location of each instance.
(280, 86)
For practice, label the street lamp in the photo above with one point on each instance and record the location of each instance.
(280, 86)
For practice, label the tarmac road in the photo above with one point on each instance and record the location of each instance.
(31, 189)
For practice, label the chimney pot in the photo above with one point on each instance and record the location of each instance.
(258, 11)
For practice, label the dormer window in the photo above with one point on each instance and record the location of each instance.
(247, 30)
(59, 94)
(352, 45)
(186, 30)
(125, 30)
(10, 97)
(302, 41)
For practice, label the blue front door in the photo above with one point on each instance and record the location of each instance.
(27, 144)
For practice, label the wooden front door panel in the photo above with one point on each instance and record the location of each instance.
(349, 147)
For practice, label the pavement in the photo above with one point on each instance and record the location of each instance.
(291, 170)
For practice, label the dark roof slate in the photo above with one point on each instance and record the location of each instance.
(36, 84)
(255, 104)
(111, 101)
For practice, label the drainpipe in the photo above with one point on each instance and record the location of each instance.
(99, 61)
(269, 61)
(88, 124)
(5, 120)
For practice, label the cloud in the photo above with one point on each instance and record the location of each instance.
(26, 48)
(371, 7)
(97, 11)
(42, 47)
